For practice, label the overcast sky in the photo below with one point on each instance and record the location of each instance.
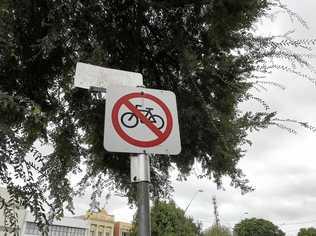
(281, 166)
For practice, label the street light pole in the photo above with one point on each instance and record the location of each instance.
(196, 193)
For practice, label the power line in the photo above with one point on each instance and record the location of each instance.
(280, 224)
(298, 223)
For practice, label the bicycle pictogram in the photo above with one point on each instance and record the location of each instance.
(130, 120)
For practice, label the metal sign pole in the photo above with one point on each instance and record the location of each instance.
(143, 209)
(140, 174)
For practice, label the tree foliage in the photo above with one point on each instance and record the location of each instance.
(258, 227)
(204, 51)
(307, 232)
(169, 220)
(9, 209)
(217, 230)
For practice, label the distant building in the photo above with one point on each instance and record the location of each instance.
(122, 229)
(98, 223)
(103, 224)
(67, 226)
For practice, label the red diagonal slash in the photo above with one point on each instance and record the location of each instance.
(161, 136)
(143, 118)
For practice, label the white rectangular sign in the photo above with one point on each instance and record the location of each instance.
(139, 120)
(95, 76)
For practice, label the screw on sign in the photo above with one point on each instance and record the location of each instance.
(139, 120)
(138, 116)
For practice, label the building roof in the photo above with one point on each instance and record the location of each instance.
(101, 215)
(64, 221)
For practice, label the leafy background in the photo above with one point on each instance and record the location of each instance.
(209, 67)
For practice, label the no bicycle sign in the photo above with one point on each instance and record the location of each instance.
(139, 120)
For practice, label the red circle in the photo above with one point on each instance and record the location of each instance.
(133, 141)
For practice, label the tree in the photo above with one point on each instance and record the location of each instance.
(205, 51)
(307, 232)
(258, 227)
(169, 220)
(217, 231)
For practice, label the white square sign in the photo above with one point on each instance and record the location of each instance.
(96, 76)
(139, 120)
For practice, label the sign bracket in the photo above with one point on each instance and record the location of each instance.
(140, 168)
(97, 89)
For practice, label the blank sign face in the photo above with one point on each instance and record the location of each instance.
(88, 76)
(139, 120)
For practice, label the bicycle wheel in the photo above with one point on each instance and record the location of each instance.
(129, 120)
(158, 120)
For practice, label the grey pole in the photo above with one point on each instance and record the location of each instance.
(143, 209)
(140, 174)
